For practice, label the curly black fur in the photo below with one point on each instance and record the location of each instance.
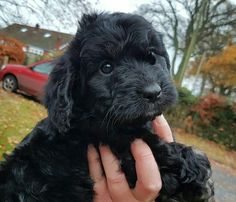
(99, 92)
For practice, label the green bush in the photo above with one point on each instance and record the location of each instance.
(186, 97)
(211, 117)
(177, 114)
(215, 119)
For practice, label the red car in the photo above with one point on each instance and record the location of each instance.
(30, 79)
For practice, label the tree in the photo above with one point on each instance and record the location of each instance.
(59, 15)
(190, 25)
(12, 50)
(220, 70)
(52, 55)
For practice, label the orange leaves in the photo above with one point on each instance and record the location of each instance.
(219, 70)
(222, 67)
(214, 117)
(13, 49)
(52, 54)
(206, 105)
(228, 56)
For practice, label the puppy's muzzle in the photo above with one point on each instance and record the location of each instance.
(152, 92)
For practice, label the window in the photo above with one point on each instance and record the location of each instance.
(24, 29)
(46, 35)
(44, 68)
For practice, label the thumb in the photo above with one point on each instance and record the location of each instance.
(162, 128)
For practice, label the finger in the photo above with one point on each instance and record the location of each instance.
(95, 168)
(149, 182)
(118, 187)
(162, 128)
(96, 173)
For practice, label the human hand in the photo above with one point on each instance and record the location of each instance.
(113, 186)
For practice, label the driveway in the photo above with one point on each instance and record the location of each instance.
(225, 183)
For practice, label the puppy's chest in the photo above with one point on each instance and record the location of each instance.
(61, 168)
(120, 144)
(64, 161)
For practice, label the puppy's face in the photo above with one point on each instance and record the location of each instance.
(125, 68)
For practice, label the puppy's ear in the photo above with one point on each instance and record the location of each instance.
(87, 19)
(58, 98)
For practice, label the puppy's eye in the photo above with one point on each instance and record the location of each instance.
(106, 68)
(151, 58)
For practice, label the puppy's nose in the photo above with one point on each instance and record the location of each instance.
(152, 92)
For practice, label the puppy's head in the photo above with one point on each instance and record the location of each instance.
(116, 70)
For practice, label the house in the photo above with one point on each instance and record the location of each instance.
(38, 42)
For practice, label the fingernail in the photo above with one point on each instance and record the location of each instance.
(101, 145)
(137, 142)
(91, 148)
(160, 120)
(138, 146)
(103, 148)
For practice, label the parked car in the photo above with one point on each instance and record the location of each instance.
(30, 79)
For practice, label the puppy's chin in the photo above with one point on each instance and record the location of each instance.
(145, 118)
(142, 119)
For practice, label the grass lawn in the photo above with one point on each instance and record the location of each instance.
(19, 115)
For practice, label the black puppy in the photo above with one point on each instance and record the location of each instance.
(113, 80)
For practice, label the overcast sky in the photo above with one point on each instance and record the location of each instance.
(120, 5)
(97, 5)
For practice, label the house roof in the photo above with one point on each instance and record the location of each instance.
(35, 36)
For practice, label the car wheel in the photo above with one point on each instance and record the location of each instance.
(9, 83)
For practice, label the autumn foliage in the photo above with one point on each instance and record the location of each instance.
(207, 105)
(52, 55)
(215, 118)
(13, 49)
(219, 70)
(211, 116)
(222, 67)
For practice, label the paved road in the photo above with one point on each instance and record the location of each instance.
(225, 183)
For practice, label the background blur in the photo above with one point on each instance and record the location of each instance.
(200, 36)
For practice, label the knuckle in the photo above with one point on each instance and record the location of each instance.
(159, 186)
(95, 159)
(100, 186)
(118, 179)
(145, 156)
(153, 188)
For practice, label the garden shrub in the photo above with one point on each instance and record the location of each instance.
(177, 114)
(211, 117)
(214, 118)
(186, 97)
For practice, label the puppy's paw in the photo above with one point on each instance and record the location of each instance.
(201, 188)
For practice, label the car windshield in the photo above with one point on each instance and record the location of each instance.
(44, 68)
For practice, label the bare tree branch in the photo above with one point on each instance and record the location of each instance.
(60, 14)
(202, 21)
